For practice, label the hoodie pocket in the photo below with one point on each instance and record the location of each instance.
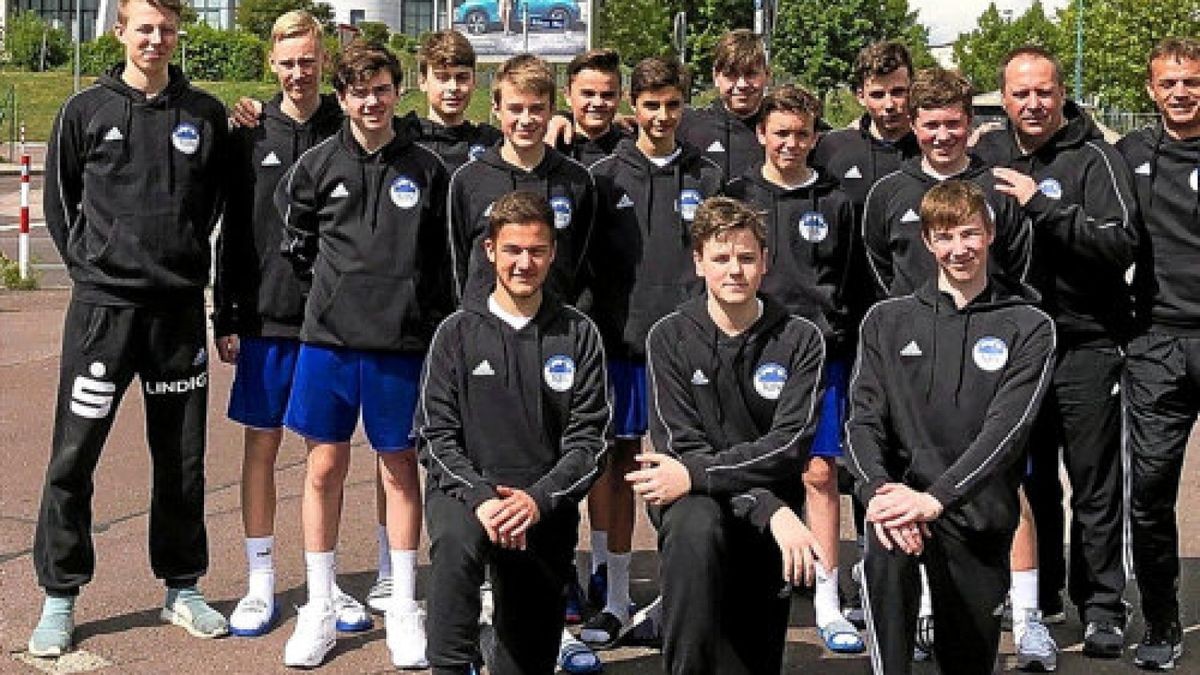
(160, 247)
(371, 311)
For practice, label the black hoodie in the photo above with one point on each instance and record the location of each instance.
(256, 292)
(369, 228)
(738, 411)
(134, 187)
(455, 145)
(856, 159)
(810, 240)
(942, 399)
(725, 138)
(1085, 225)
(587, 151)
(566, 184)
(1167, 278)
(521, 408)
(640, 258)
(891, 228)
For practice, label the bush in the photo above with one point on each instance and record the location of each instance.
(99, 55)
(215, 54)
(374, 31)
(10, 275)
(23, 39)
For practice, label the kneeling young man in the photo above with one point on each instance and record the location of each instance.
(734, 381)
(947, 383)
(503, 489)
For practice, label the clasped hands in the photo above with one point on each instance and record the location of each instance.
(901, 517)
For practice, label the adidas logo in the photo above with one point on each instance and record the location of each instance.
(1143, 170)
(853, 172)
(911, 349)
(625, 202)
(271, 159)
(114, 134)
(699, 377)
(484, 368)
(339, 191)
(716, 147)
(910, 216)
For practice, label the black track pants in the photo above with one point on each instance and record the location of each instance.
(1162, 394)
(721, 578)
(527, 587)
(1082, 416)
(968, 580)
(102, 349)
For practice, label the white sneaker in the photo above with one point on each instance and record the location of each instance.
(405, 625)
(352, 617)
(314, 636)
(380, 595)
(253, 616)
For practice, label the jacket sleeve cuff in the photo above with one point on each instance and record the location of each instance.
(1039, 203)
(941, 492)
(762, 511)
(542, 499)
(478, 495)
(696, 466)
(868, 489)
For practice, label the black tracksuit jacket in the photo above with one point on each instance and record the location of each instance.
(856, 159)
(942, 399)
(810, 240)
(891, 228)
(454, 145)
(1167, 277)
(133, 189)
(551, 437)
(566, 184)
(640, 258)
(256, 291)
(739, 412)
(588, 151)
(369, 229)
(725, 138)
(1085, 225)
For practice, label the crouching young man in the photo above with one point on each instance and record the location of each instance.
(941, 402)
(512, 423)
(734, 383)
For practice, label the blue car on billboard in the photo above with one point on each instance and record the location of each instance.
(482, 16)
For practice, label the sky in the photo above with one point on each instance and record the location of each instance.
(947, 18)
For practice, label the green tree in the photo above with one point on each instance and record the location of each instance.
(708, 20)
(257, 16)
(816, 41)
(33, 44)
(635, 28)
(979, 52)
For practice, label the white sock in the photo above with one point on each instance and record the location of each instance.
(321, 569)
(404, 577)
(618, 585)
(926, 608)
(1024, 596)
(261, 561)
(599, 549)
(825, 597)
(385, 558)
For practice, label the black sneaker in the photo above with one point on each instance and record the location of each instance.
(1160, 647)
(1053, 611)
(603, 631)
(1103, 640)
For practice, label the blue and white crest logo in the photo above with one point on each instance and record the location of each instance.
(562, 212)
(405, 192)
(1051, 188)
(476, 151)
(769, 380)
(990, 354)
(186, 138)
(813, 227)
(559, 372)
(689, 201)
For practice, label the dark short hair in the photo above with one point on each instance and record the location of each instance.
(791, 98)
(656, 72)
(601, 60)
(445, 49)
(1174, 48)
(720, 215)
(1034, 52)
(361, 60)
(879, 59)
(952, 203)
(518, 208)
(739, 51)
(935, 88)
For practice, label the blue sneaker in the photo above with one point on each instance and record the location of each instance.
(253, 617)
(352, 617)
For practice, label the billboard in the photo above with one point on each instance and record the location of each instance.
(555, 30)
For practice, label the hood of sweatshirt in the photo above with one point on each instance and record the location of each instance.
(696, 310)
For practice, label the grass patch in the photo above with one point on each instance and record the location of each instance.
(10, 275)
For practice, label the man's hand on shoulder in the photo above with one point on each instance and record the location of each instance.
(245, 113)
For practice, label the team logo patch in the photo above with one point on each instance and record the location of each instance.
(559, 372)
(1194, 180)
(476, 151)
(990, 354)
(689, 201)
(769, 380)
(813, 227)
(1051, 188)
(562, 212)
(186, 138)
(405, 192)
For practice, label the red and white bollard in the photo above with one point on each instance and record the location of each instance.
(23, 239)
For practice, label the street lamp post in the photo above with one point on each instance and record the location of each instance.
(1079, 53)
(78, 31)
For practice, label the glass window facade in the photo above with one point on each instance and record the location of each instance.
(416, 16)
(63, 13)
(216, 13)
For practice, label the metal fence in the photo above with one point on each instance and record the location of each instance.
(1123, 122)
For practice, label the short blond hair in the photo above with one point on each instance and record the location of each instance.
(296, 23)
(173, 6)
(528, 74)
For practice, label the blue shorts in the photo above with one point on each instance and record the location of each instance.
(827, 442)
(262, 381)
(628, 382)
(333, 385)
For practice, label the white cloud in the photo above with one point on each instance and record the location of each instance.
(947, 18)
